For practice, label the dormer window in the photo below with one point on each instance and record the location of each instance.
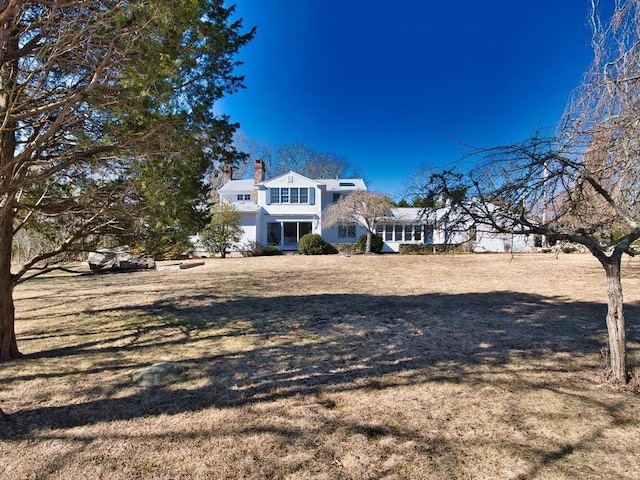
(347, 184)
(243, 197)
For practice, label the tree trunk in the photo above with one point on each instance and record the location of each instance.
(8, 69)
(615, 320)
(8, 343)
(369, 239)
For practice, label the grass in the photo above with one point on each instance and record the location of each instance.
(331, 367)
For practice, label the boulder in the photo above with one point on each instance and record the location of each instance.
(158, 374)
(118, 260)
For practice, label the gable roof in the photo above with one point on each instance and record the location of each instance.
(332, 184)
(289, 173)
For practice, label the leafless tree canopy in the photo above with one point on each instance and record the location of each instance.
(298, 157)
(581, 182)
(363, 208)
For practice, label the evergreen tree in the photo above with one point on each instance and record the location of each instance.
(107, 122)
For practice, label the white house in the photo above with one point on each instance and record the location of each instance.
(280, 210)
(444, 227)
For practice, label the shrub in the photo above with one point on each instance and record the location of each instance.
(429, 248)
(271, 250)
(344, 248)
(376, 243)
(251, 249)
(312, 244)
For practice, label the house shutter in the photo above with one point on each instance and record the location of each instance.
(312, 196)
(268, 196)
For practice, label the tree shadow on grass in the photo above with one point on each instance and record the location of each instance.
(304, 344)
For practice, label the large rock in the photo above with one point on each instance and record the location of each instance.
(118, 260)
(158, 374)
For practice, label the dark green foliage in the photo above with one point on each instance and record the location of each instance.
(376, 243)
(312, 244)
(109, 127)
(269, 250)
(429, 249)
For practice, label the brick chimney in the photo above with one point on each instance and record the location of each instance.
(227, 174)
(258, 176)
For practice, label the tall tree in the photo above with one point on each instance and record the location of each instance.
(582, 184)
(95, 94)
(364, 208)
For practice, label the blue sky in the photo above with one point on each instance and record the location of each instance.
(394, 85)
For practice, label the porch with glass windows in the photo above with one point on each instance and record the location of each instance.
(287, 234)
(396, 234)
(408, 232)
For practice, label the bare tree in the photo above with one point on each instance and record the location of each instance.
(582, 183)
(360, 208)
(298, 157)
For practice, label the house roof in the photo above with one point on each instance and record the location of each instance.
(249, 207)
(407, 214)
(237, 186)
(343, 184)
(289, 173)
(332, 184)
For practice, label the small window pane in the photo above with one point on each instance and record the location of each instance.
(284, 195)
(275, 195)
(304, 195)
(294, 195)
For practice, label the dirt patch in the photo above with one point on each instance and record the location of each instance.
(456, 366)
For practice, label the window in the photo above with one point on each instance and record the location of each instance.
(428, 234)
(346, 231)
(398, 236)
(289, 195)
(336, 197)
(274, 233)
(401, 233)
(388, 233)
(473, 233)
(417, 232)
(408, 233)
(243, 197)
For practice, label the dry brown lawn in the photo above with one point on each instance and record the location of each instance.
(362, 367)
